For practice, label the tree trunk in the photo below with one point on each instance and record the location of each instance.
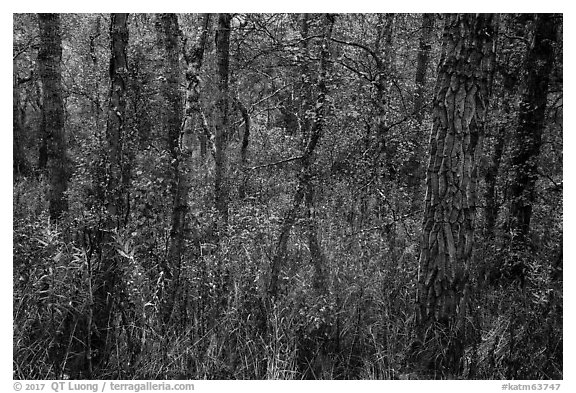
(460, 104)
(244, 148)
(117, 116)
(422, 64)
(385, 33)
(222, 105)
(304, 177)
(528, 136)
(106, 282)
(491, 175)
(192, 125)
(380, 164)
(416, 165)
(20, 164)
(94, 57)
(49, 59)
(505, 94)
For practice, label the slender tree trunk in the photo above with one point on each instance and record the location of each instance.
(417, 166)
(244, 147)
(460, 104)
(50, 58)
(192, 127)
(20, 164)
(192, 124)
(222, 104)
(106, 283)
(491, 175)
(117, 116)
(169, 37)
(384, 62)
(504, 97)
(304, 100)
(94, 57)
(304, 177)
(422, 64)
(385, 33)
(528, 136)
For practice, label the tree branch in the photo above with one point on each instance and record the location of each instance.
(277, 162)
(363, 47)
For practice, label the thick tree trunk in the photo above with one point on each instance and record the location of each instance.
(528, 136)
(49, 59)
(460, 105)
(222, 105)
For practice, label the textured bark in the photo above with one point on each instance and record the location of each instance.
(460, 105)
(222, 105)
(528, 136)
(425, 45)
(49, 59)
(116, 202)
(304, 177)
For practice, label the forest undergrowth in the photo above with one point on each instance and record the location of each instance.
(221, 327)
